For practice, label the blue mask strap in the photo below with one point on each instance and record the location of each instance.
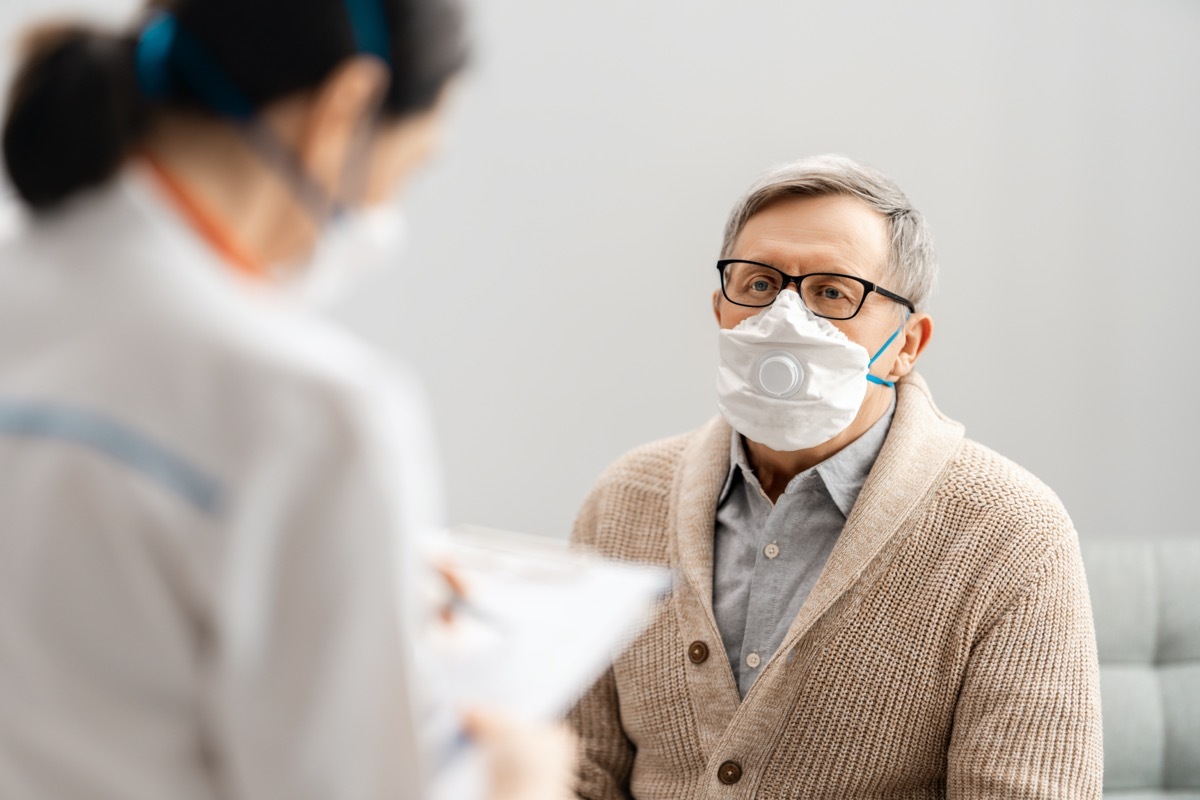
(879, 352)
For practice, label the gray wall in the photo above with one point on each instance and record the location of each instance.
(556, 293)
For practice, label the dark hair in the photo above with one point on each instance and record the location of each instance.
(77, 108)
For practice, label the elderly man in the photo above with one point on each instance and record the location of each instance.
(868, 604)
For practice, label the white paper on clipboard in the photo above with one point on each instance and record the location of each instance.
(539, 625)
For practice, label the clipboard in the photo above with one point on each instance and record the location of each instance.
(536, 626)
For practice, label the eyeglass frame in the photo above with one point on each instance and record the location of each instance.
(870, 286)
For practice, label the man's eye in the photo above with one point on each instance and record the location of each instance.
(830, 293)
(761, 285)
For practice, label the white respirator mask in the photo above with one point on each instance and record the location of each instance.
(789, 379)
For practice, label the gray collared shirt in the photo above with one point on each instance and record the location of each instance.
(766, 558)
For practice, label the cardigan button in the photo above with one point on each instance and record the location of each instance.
(729, 773)
(698, 652)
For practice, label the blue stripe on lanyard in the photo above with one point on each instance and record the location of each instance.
(121, 444)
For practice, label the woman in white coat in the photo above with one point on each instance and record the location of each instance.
(209, 494)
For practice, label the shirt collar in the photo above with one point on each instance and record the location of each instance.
(737, 465)
(843, 473)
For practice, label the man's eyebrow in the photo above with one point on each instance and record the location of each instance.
(838, 265)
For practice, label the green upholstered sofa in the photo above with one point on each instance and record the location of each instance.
(1146, 599)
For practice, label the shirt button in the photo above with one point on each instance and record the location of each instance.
(771, 550)
(752, 661)
(698, 652)
(729, 773)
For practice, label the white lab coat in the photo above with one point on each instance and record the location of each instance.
(207, 500)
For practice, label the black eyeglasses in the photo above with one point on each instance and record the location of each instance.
(826, 294)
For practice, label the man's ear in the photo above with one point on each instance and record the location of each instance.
(717, 305)
(918, 330)
(341, 106)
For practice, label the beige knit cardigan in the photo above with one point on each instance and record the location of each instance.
(947, 649)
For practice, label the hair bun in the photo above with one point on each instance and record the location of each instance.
(76, 109)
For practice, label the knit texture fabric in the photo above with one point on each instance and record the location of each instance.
(947, 649)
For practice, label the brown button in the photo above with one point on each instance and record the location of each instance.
(698, 652)
(729, 773)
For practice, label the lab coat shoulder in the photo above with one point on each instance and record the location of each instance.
(113, 309)
(167, 372)
(336, 479)
(315, 395)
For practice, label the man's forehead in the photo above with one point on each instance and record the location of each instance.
(831, 228)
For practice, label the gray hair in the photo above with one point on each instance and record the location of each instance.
(912, 263)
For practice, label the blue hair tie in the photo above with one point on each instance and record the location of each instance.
(167, 55)
(162, 41)
(368, 22)
(153, 56)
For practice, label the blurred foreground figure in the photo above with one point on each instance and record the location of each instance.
(210, 495)
(870, 605)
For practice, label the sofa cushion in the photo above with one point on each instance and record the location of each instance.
(1146, 601)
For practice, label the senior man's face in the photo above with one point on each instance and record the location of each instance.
(836, 233)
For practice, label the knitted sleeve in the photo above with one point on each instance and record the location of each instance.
(605, 754)
(1027, 723)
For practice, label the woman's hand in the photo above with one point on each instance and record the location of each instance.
(527, 761)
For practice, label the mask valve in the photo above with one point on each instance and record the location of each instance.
(779, 374)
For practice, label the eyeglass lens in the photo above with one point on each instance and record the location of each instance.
(831, 296)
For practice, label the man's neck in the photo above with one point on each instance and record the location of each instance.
(775, 469)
